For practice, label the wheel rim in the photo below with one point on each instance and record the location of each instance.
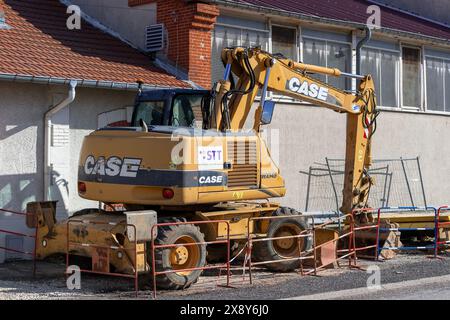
(184, 257)
(288, 247)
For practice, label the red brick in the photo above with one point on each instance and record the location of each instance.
(193, 27)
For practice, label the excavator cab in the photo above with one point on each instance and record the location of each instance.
(170, 107)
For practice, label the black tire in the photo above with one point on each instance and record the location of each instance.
(270, 250)
(84, 212)
(218, 252)
(170, 235)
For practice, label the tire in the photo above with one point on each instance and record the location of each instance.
(218, 252)
(182, 257)
(84, 212)
(277, 249)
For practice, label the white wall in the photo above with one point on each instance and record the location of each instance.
(22, 138)
(309, 134)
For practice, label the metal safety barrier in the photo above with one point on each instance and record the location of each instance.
(20, 234)
(303, 255)
(251, 240)
(440, 224)
(405, 248)
(155, 247)
(365, 228)
(104, 264)
(341, 254)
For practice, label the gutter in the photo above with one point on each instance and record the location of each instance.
(335, 22)
(99, 84)
(48, 167)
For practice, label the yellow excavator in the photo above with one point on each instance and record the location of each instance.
(188, 156)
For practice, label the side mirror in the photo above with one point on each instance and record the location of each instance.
(268, 108)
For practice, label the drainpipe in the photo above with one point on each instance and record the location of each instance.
(359, 46)
(47, 141)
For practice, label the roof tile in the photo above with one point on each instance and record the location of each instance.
(39, 44)
(355, 11)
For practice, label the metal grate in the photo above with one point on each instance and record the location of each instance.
(155, 35)
(243, 156)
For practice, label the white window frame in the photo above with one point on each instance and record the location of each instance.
(348, 43)
(297, 46)
(444, 60)
(241, 31)
(398, 83)
(270, 94)
(402, 104)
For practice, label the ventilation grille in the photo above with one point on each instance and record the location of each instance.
(155, 36)
(243, 157)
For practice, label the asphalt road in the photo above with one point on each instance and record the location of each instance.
(434, 288)
(395, 277)
(402, 269)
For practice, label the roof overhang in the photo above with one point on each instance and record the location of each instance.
(341, 23)
(99, 84)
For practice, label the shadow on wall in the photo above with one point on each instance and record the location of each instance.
(18, 190)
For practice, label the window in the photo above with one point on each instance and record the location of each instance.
(151, 112)
(284, 42)
(328, 54)
(229, 36)
(438, 78)
(411, 77)
(186, 111)
(383, 65)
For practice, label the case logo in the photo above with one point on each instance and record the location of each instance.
(113, 167)
(308, 89)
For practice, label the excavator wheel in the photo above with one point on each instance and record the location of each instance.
(218, 252)
(283, 248)
(181, 257)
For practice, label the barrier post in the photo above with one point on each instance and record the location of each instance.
(366, 227)
(347, 253)
(439, 224)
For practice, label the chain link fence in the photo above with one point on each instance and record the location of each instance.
(398, 182)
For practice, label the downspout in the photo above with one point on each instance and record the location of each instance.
(359, 46)
(47, 140)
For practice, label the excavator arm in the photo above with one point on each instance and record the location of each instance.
(258, 70)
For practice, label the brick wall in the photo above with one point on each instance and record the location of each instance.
(189, 26)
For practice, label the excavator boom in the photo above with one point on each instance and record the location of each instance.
(258, 70)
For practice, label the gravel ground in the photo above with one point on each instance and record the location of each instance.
(16, 282)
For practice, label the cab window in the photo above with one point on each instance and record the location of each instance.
(151, 112)
(186, 111)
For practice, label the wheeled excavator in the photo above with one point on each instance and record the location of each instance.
(198, 155)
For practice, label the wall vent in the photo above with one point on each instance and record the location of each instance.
(155, 37)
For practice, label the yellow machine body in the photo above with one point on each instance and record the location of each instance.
(160, 161)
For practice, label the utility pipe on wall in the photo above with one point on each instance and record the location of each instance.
(47, 140)
(359, 46)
